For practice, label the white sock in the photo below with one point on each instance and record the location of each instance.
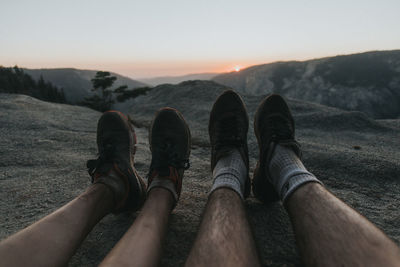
(230, 172)
(164, 183)
(288, 172)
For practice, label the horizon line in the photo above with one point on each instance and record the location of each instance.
(232, 68)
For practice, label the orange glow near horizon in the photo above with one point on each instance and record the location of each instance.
(140, 69)
(143, 69)
(148, 68)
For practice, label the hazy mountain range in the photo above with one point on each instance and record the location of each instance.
(367, 82)
(76, 83)
(178, 79)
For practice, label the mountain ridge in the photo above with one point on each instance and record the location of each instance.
(76, 82)
(154, 81)
(367, 82)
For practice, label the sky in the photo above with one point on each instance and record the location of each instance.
(148, 38)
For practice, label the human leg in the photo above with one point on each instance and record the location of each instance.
(116, 188)
(53, 240)
(141, 245)
(328, 232)
(225, 237)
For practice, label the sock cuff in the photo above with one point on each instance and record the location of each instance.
(163, 183)
(116, 184)
(228, 181)
(294, 182)
(288, 175)
(229, 171)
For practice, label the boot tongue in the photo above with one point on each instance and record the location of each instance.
(164, 171)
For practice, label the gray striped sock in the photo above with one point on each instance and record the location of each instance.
(230, 172)
(288, 172)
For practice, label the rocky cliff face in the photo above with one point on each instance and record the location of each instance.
(367, 82)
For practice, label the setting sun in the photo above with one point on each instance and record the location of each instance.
(237, 68)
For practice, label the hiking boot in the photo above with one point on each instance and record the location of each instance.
(116, 140)
(170, 142)
(273, 124)
(228, 126)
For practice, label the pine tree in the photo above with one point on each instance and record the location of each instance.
(16, 81)
(101, 82)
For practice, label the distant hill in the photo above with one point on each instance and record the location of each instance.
(178, 79)
(367, 82)
(15, 81)
(75, 82)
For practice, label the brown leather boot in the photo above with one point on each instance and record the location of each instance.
(116, 140)
(228, 128)
(273, 124)
(170, 142)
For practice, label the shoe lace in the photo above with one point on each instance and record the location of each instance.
(166, 156)
(228, 133)
(105, 156)
(280, 127)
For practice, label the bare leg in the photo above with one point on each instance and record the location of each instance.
(330, 233)
(142, 243)
(225, 237)
(53, 240)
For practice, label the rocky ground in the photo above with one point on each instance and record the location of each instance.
(44, 148)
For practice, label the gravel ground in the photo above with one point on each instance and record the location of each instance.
(44, 148)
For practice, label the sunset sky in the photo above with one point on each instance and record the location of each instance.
(155, 38)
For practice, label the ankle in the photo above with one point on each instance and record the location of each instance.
(99, 187)
(161, 196)
(226, 194)
(304, 194)
(115, 184)
(170, 180)
(100, 194)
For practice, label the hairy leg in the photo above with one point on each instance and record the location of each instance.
(330, 233)
(142, 243)
(53, 240)
(225, 237)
